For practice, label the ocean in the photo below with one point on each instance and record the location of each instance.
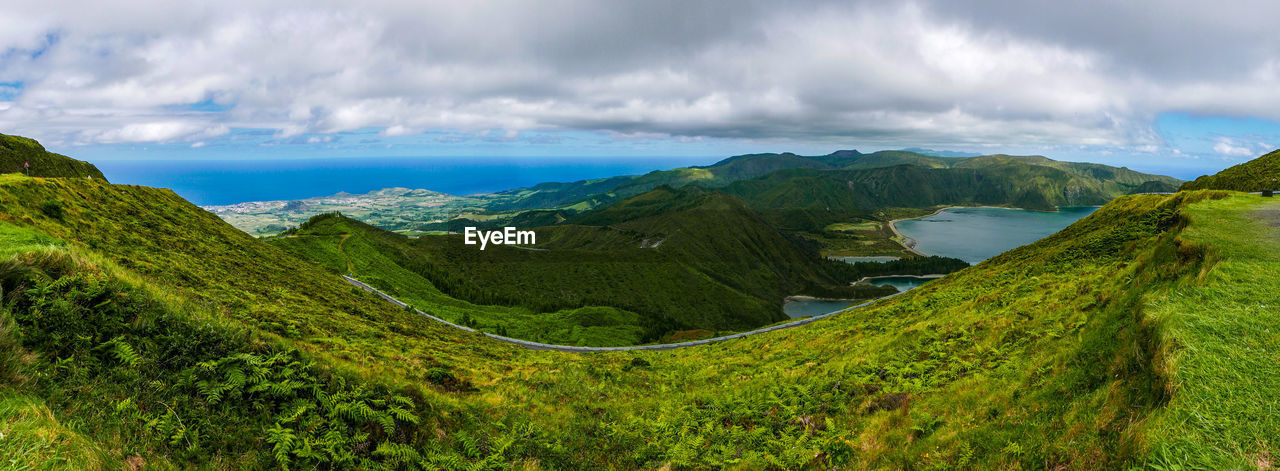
(219, 182)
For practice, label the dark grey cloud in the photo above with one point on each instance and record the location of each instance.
(942, 72)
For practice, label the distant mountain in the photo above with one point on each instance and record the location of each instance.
(941, 153)
(1107, 181)
(1056, 183)
(807, 200)
(1154, 186)
(1255, 175)
(16, 151)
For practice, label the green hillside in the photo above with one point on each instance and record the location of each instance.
(1076, 177)
(1154, 186)
(1032, 182)
(138, 330)
(1255, 175)
(1112, 180)
(810, 200)
(389, 262)
(654, 264)
(16, 151)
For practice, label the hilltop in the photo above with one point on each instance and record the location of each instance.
(1255, 175)
(16, 151)
(165, 336)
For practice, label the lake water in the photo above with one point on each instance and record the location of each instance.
(976, 234)
(812, 307)
(218, 182)
(903, 283)
(816, 307)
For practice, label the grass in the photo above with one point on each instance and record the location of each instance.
(1222, 345)
(853, 226)
(31, 438)
(1090, 349)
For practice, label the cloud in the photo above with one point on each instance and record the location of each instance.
(163, 131)
(970, 74)
(1228, 147)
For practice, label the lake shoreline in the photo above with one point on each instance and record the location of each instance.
(815, 298)
(931, 276)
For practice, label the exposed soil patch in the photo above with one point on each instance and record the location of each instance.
(893, 401)
(1269, 217)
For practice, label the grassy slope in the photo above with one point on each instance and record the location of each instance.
(1077, 352)
(15, 150)
(1221, 345)
(382, 259)
(1255, 175)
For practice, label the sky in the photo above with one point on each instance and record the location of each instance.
(1181, 87)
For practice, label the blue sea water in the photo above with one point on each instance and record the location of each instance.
(218, 182)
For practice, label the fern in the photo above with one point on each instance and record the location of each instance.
(403, 415)
(282, 440)
(399, 453)
(124, 352)
(470, 444)
(388, 423)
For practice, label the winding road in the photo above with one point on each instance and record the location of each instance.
(570, 348)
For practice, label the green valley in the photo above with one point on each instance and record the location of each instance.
(660, 263)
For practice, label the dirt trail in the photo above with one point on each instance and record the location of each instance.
(350, 268)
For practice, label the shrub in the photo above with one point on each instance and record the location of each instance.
(52, 208)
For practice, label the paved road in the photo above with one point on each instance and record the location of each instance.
(570, 348)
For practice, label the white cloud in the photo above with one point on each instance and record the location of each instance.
(1228, 147)
(163, 131)
(952, 73)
